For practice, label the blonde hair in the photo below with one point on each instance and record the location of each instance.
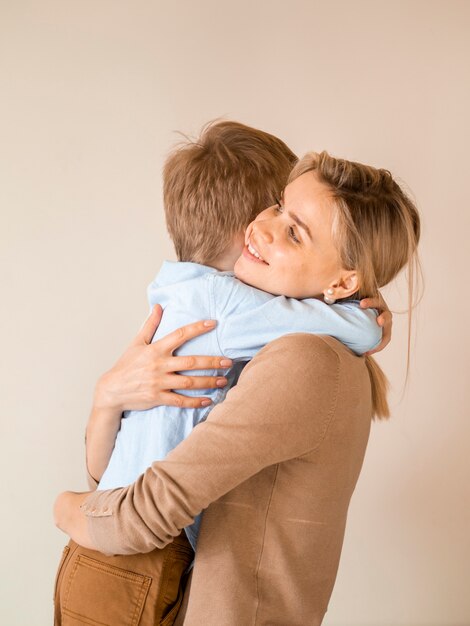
(215, 186)
(377, 229)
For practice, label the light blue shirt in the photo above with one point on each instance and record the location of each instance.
(247, 319)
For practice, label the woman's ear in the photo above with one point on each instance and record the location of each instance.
(347, 285)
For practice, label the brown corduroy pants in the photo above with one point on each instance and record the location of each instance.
(123, 590)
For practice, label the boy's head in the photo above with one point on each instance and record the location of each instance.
(215, 186)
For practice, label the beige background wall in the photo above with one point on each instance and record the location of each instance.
(90, 94)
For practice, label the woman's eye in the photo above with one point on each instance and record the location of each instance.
(292, 235)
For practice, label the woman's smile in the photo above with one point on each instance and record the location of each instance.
(252, 254)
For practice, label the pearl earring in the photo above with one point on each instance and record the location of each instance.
(327, 298)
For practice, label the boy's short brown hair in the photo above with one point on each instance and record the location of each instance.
(214, 186)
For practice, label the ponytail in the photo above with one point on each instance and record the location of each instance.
(379, 386)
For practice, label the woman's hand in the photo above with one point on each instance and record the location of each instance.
(145, 376)
(384, 320)
(70, 519)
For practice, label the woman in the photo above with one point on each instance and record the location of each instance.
(301, 466)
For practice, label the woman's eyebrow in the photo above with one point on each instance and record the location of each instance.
(298, 221)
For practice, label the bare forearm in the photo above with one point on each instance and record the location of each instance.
(102, 428)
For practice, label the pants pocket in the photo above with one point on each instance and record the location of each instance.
(173, 582)
(103, 594)
(173, 610)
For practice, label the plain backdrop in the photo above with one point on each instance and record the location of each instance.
(91, 94)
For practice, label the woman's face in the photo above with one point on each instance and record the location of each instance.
(289, 248)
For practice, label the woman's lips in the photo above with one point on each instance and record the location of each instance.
(251, 257)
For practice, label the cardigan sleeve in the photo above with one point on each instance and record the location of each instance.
(280, 409)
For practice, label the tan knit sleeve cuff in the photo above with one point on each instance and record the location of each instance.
(99, 508)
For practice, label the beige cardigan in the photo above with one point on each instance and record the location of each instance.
(274, 466)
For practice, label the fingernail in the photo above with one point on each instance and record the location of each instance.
(221, 382)
(206, 402)
(225, 363)
(210, 323)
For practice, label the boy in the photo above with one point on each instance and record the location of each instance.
(241, 170)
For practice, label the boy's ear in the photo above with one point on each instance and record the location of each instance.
(347, 285)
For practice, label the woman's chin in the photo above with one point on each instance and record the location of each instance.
(238, 268)
(250, 273)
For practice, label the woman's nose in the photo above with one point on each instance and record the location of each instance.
(264, 230)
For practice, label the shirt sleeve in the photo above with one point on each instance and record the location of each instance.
(251, 430)
(248, 319)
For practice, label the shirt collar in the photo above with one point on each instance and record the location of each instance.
(177, 271)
